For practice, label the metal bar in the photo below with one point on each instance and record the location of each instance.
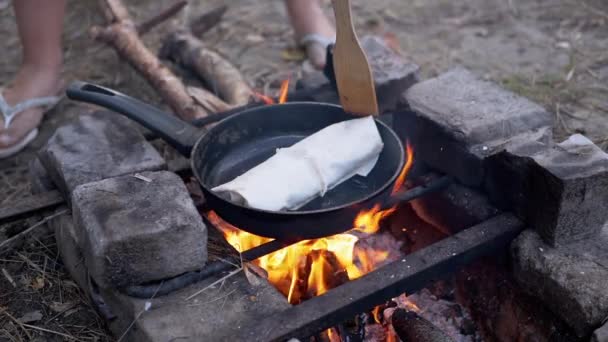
(432, 186)
(407, 275)
(30, 204)
(213, 268)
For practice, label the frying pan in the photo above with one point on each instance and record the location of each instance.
(244, 140)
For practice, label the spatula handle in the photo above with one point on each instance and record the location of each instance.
(352, 70)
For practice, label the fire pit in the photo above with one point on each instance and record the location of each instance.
(157, 267)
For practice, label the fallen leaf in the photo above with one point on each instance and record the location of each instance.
(251, 277)
(30, 317)
(293, 54)
(60, 307)
(37, 283)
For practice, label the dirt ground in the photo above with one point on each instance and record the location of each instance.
(552, 51)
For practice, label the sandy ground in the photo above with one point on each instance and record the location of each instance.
(552, 51)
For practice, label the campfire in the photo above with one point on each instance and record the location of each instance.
(310, 268)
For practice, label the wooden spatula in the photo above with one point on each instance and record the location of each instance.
(353, 74)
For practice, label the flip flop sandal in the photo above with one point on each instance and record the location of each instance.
(316, 47)
(9, 113)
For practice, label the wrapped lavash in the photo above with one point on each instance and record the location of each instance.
(300, 173)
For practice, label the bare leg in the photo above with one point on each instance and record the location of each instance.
(40, 26)
(307, 17)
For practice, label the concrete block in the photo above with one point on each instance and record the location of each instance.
(461, 119)
(95, 147)
(601, 334)
(392, 73)
(133, 231)
(214, 315)
(559, 190)
(570, 184)
(39, 178)
(570, 280)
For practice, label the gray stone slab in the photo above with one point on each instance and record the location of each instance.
(392, 73)
(133, 231)
(454, 209)
(570, 280)
(601, 334)
(67, 244)
(461, 119)
(222, 310)
(559, 190)
(94, 147)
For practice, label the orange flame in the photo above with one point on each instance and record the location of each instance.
(282, 94)
(312, 267)
(284, 90)
(409, 154)
(333, 335)
(376, 313)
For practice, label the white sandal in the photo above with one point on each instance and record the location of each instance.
(314, 41)
(9, 113)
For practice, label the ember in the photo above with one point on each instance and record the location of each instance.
(312, 267)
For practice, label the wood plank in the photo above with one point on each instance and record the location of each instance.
(30, 204)
(408, 275)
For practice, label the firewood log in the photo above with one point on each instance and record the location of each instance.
(221, 76)
(121, 34)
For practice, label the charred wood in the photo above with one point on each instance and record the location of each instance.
(410, 327)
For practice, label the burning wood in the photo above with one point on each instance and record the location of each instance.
(411, 327)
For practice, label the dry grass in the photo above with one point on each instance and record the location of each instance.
(39, 300)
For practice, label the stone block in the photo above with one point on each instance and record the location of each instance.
(39, 178)
(461, 119)
(570, 183)
(601, 334)
(570, 280)
(560, 190)
(133, 231)
(95, 147)
(392, 73)
(69, 249)
(454, 209)
(217, 312)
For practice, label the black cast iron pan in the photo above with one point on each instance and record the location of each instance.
(241, 141)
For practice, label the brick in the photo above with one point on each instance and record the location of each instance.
(216, 314)
(392, 73)
(459, 120)
(601, 334)
(133, 231)
(570, 280)
(568, 181)
(95, 147)
(454, 209)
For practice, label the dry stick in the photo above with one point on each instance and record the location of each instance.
(188, 51)
(50, 331)
(9, 278)
(215, 283)
(12, 242)
(121, 34)
(149, 24)
(21, 325)
(207, 21)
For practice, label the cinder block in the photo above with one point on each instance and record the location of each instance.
(132, 231)
(95, 147)
(570, 280)
(459, 120)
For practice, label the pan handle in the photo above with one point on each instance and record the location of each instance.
(179, 134)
